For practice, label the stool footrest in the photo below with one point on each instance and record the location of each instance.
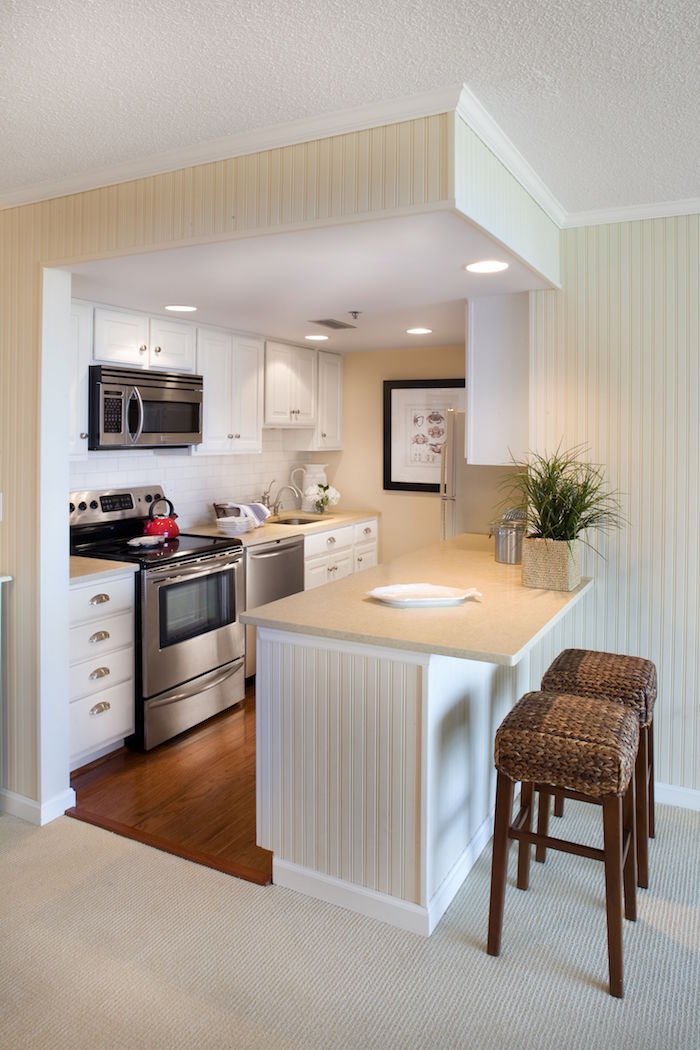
(563, 845)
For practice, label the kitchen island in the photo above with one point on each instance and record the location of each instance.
(375, 728)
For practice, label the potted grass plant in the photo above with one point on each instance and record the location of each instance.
(563, 497)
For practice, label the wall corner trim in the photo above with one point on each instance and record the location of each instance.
(38, 813)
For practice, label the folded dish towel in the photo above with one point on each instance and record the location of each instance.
(257, 512)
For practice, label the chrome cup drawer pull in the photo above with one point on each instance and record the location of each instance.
(99, 599)
(98, 636)
(99, 709)
(99, 672)
(367, 531)
(331, 539)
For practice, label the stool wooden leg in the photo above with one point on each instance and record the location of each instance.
(499, 863)
(558, 804)
(542, 824)
(629, 871)
(650, 790)
(642, 812)
(527, 797)
(612, 835)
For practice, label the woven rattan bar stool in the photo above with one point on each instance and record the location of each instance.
(629, 680)
(587, 749)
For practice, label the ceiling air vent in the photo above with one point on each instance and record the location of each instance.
(329, 322)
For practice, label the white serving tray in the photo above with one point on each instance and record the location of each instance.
(404, 595)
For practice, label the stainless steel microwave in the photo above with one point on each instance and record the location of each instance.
(132, 408)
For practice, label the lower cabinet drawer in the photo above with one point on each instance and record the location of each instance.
(101, 672)
(100, 719)
(95, 600)
(317, 543)
(90, 641)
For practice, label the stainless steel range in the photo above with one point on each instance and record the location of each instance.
(190, 646)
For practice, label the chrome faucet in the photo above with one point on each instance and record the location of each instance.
(265, 498)
(278, 500)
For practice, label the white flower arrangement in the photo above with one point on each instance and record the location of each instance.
(322, 496)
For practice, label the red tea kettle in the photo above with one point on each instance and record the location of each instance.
(161, 525)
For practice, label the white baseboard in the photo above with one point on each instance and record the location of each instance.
(406, 916)
(36, 812)
(670, 795)
(415, 918)
(446, 892)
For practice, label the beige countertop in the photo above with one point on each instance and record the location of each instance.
(81, 568)
(498, 628)
(272, 530)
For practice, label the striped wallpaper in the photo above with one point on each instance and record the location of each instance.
(615, 364)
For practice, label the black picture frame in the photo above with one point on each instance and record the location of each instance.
(439, 393)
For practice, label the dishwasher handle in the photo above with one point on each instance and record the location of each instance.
(266, 550)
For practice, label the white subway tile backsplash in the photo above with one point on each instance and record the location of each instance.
(192, 483)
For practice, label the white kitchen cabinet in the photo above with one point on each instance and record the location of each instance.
(329, 428)
(338, 552)
(291, 377)
(232, 368)
(497, 379)
(124, 337)
(81, 353)
(101, 655)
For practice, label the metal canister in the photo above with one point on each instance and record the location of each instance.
(508, 535)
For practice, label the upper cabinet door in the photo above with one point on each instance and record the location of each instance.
(290, 385)
(121, 337)
(172, 345)
(498, 379)
(247, 394)
(329, 429)
(81, 352)
(214, 362)
(126, 338)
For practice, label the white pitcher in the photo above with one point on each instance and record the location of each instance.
(311, 474)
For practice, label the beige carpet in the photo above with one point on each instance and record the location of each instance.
(108, 943)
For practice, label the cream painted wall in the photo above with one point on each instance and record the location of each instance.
(616, 364)
(409, 519)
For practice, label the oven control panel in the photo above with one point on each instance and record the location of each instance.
(95, 506)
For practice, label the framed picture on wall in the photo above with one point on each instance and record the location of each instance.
(415, 427)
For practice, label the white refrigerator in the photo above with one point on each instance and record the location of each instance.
(471, 497)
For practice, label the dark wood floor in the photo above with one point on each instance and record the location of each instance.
(193, 796)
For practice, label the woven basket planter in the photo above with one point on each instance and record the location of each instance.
(553, 565)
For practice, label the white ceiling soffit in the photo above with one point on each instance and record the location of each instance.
(598, 99)
(399, 273)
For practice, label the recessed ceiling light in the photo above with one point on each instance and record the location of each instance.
(316, 338)
(182, 309)
(487, 266)
(418, 331)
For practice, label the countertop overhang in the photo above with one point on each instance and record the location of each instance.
(498, 628)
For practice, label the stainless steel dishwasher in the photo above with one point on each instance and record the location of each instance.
(272, 570)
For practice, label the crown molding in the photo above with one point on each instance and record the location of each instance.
(632, 213)
(482, 124)
(442, 100)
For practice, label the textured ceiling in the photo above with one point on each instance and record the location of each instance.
(599, 96)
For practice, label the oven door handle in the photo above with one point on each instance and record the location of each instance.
(135, 393)
(197, 687)
(193, 574)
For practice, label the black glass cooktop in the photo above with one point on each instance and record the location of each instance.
(183, 546)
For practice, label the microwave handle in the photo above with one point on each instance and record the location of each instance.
(135, 393)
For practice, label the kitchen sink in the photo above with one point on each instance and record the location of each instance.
(294, 521)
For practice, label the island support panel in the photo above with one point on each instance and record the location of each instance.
(375, 779)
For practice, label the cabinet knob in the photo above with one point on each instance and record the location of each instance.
(367, 531)
(99, 709)
(157, 349)
(143, 348)
(359, 557)
(83, 436)
(323, 434)
(229, 436)
(99, 672)
(236, 435)
(98, 599)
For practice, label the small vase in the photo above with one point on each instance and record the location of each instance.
(552, 565)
